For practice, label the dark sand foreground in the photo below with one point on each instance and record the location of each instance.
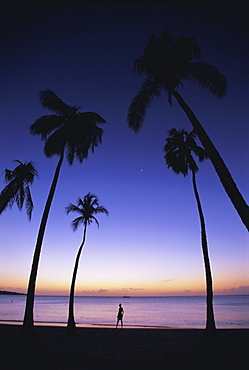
(101, 348)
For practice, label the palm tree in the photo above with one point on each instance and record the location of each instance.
(87, 209)
(68, 132)
(179, 148)
(17, 190)
(169, 61)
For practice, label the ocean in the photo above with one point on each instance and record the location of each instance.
(231, 312)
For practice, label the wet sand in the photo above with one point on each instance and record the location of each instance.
(51, 348)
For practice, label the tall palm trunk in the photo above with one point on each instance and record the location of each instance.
(218, 163)
(210, 322)
(71, 322)
(28, 321)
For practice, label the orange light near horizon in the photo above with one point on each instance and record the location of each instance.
(177, 286)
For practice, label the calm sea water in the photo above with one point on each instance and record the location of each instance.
(178, 312)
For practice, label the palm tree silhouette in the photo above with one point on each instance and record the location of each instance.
(17, 190)
(87, 209)
(168, 61)
(68, 132)
(179, 148)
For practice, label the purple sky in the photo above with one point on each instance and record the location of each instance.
(150, 243)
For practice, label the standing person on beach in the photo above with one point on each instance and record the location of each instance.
(120, 315)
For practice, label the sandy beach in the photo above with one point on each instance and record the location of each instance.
(103, 348)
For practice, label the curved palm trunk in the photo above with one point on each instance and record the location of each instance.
(70, 321)
(218, 163)
(28, 321)
(210, 323)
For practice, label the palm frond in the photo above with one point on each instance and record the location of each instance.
(72, 208)
(55, 143)
(19, 198)
(91, 117)
(90, 219)
(145, 63)
(31, 172)
(200, 153)
(179, 147)
(101, 209)
(8, 175)
(167, 38)
(76, 222)
(25, 172)
(177, 162)
(140, 103)
(208, 77)
(192, 165)
(19, 162)
(7, 195)
(81, 203)
(51, 101)
(86, 136)
(70, 152)
(46, 124)
(186, 49)
(28, 203)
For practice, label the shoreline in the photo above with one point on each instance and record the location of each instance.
(95, 325)
(111, 326)
(50, 348)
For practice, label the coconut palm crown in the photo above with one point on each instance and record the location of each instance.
(178, 148)
(17, 190)
(87, 208)
(70, 130)
(168, 62)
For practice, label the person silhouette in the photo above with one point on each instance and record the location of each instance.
(120, 316)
